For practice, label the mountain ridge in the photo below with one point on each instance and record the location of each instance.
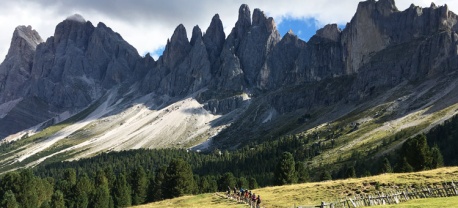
(237, 89)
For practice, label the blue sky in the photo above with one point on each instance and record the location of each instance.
(303, 28)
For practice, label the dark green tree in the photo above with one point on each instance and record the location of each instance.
(57, 200)
(10, 181)
(252, 183)
(227, 181)
(111, 177)
(285, 172)
(350, 172)
(121, 192)
(83, 190)
(404, 166)
(302, 173)
(416, 151)
(67, 186)
(102, 194)
(242, 182)
(386, 166)
(325, 176)
(178, 179)
(437, 160)
(28, 194)
(208, 184)
(139, 185)
(155, 189)
(9, 200)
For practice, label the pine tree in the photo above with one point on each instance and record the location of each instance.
(67, 186)
(57, 200)
(416, 151)
(9, 200)
(386, 166)
(325, 176)
(178, 179)
(227, 181)
(302, 172)
(121, 192)
(252, 183)
(83, 190)
(28, 194)
(102, 194)
(155, 190)
(242, 182)
(10, 181)
(437, 160)
(404, 166)
(139, 184)
(208, 184)
(350, 172)
(285, 173)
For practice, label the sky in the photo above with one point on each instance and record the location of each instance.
(147, 24)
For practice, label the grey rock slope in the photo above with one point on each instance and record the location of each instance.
(16, 69)
(252, 70)
(69, 71)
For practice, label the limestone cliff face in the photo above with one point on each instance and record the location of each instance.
(379, 48)
(15, 71)
(80, 62)
(69, 71)
(377, 25)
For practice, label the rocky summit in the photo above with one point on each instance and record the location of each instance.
(220, 90)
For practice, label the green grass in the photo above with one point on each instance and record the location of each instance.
(329, 191)
(430, 202)
(202, 200)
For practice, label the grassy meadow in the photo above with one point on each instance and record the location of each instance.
(314, 193)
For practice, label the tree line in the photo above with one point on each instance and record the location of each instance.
(119, 179)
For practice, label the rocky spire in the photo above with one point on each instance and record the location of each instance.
(244, 21)
(24, 38)
(196, 33)
(386, 7)
(331, 32)
(214, 40)
(16, 68)
(74, 28)
(177, 47)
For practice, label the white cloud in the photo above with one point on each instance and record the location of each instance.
(147, 24)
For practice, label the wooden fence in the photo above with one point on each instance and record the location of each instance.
(393, 197)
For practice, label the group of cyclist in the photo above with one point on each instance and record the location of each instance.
(244, 195)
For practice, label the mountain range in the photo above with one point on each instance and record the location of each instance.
(85, 90)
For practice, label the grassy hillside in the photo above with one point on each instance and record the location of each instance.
(314, 193)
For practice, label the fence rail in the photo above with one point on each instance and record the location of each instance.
(446, 189)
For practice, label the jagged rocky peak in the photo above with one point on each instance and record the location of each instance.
(16, 68)
(331, 32)
(27, 34)
(384, 7)
(289, 36)
(180, 35)
(244, 21)
(367, 32)
(73, 28)
(214, 39)
(290, 32)
(196, 34)
(260, 19)
(215, 32)
(177, 47)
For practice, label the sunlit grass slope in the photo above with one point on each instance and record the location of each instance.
(314, 193)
